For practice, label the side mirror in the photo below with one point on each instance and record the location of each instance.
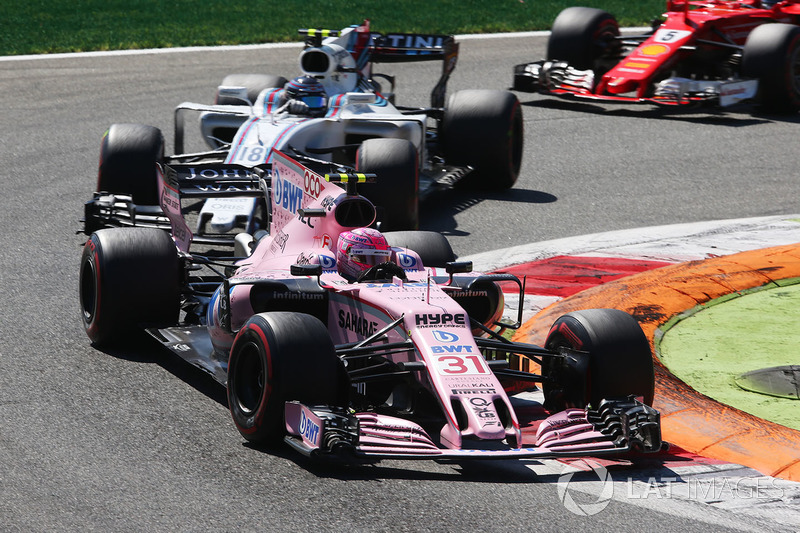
(305, 270)
(234, 93)
(458, 267)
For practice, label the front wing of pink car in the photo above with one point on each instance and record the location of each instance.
(615, 427)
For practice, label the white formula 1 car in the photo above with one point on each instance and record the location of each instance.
(336, 111)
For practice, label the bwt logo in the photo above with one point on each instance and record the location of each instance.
(444, 336)
(463, 348)
(406, 260)
(308, 429)
(327, 262)
(287, 195)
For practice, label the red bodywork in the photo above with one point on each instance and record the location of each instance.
(697, 40)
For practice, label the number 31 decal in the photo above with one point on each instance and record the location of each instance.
(454, 364)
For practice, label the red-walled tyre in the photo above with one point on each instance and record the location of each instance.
(581, 36)
(620, 361)
(277, 357)
(129, 277)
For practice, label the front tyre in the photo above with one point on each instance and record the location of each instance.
(772, 56)
(582, 37)
(278, 357)
(128, 157)
(620, 361)
(128, 277)
(432, 247)
(484, 129)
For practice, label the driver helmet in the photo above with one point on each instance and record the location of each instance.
(309, 91)
(333, 66)
(359, 250)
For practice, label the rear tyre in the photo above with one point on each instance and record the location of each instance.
(484, 129)
(581, 36)
(432, 247)
(254, 83)
(396, 191)
(772, 56)
(278, 357)
(128, 157)
(128, 277)
(620, 360)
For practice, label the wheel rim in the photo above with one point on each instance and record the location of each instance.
(249, 379)
(89, 291)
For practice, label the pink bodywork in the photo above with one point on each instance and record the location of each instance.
(438, 327)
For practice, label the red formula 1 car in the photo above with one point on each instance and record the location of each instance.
(712, 52)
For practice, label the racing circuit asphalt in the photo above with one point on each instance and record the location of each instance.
(134, 440)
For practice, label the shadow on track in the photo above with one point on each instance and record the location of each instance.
(441, 209)
(143, 349)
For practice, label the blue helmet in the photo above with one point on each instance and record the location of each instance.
(310, 91)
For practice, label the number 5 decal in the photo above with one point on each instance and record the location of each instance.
(453, 364)
(670, 36)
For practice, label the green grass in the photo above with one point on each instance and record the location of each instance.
(50, 26)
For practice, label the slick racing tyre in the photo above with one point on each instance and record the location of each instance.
(254, 83)
(277, 357)
(772, 56)
(582, 36)
(620, 362)
(129, 277)
(483, 129)
(432, 247)
(128, 157)
(396, 190)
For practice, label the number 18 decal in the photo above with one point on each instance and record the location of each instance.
(455, 364)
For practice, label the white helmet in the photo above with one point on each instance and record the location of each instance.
(333, 66)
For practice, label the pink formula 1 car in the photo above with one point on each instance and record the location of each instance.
(345, 342)
(711, 52)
